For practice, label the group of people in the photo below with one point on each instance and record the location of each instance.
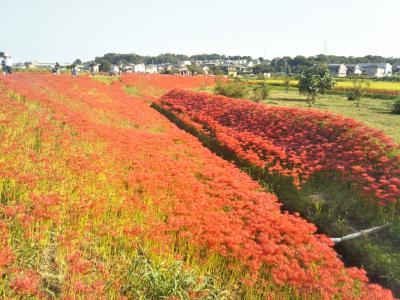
(7, 67)
(74, 71)
(6, 63)
(115, 71)
(57, 67)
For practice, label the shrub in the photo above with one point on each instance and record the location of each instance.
(260, 92)
(232, 89)
(350, 97)
(395, 107)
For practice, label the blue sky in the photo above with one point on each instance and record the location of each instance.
(62, 30)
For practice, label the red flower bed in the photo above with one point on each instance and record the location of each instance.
(295, 142)
(199, 198)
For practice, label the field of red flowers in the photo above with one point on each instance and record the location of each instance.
(157, 85)
(296, 143)
(89, 176)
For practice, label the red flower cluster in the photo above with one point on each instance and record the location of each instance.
(295, 142)
(191, 196)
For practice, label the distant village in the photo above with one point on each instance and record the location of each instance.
(229, 67)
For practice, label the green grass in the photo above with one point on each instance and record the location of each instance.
(105, 78)
(133, 91)
(374, 113)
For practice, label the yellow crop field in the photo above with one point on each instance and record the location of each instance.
(374, 85)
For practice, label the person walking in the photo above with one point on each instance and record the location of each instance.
(56, 69)
(9, 64)
(92, 69)
(3, 66)
(73, 70)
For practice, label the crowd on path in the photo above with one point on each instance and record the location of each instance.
(7, 67)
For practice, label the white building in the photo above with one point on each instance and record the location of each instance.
(338, 70)
(353, 69)
(185, 63)
(377, 70)
(151, 69)
(206, 70)
(139, 68)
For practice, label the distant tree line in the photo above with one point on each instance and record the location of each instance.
(108, 59)
(297, 64)
(286, 64)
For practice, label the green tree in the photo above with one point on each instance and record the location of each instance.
(77, 61)
(315, 80)
(195, 69)
(360, 87)
(105, 66)
(260, 92)
(216, 70)
(286, 83)
(260, 76)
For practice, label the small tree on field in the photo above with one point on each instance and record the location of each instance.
(195, 70)
(260, 76)
(315, 80)
(395, 107)
(360, 87)
(260, 92)
(286, 83)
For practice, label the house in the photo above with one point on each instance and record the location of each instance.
(151, 69)
(229, 69)
(206, 70)
(185, 63)
(253, 63)
(376, 69)
(338, 70)
(90, 66)
(44, 65)
(80, 67)
(139, 68)
(29, 65)
(210, 64)
(353, 69)
(243, 70)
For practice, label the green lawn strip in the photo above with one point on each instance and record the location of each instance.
(372, 112)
